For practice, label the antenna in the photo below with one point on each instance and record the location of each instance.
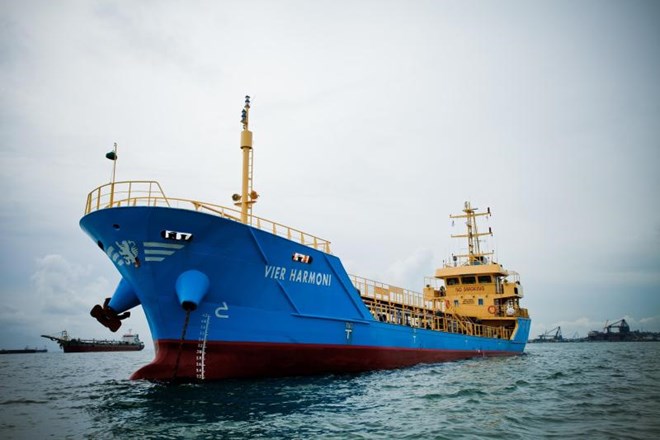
(474, 254)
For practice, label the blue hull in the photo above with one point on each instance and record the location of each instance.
(254, 310)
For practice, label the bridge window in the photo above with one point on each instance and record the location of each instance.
(452, 281)
(481, 301)
(469, 280)
(485, 279)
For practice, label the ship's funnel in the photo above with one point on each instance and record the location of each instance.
(191, 287)
(124, 297)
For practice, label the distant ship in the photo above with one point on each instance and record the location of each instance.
(228, 294)
(24, 350)
(128, 342)
(622, 333)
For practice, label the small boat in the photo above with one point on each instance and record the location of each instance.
(129, 342)
(228, 294)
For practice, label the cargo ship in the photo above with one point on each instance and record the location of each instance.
(129, 342)
(228, 294)
(23, 350)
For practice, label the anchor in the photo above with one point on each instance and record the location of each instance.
(107, 316)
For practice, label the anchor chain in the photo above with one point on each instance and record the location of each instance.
(183, 336)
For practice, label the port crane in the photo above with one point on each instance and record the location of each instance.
(621, 325)
(553, 335)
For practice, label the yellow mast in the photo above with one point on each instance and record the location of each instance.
(248, 196)
(474, 252)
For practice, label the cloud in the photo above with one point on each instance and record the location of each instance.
(59, 296)
(647, 324)
(410, 270)
(12, 316)
(64, 288)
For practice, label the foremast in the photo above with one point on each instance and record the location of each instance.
(248, 196)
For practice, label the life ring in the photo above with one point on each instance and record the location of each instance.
(447, 304)
(491, 310)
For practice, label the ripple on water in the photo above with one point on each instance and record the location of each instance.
(558, 391)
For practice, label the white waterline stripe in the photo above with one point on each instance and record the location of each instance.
(162, 245)
(154, 258)
(158, 252)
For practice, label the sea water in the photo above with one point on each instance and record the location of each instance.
(562, 390)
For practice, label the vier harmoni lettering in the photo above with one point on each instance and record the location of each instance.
(298, 275)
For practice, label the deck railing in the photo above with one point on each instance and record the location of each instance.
(385, 292)
(150, 193)
(405, 307)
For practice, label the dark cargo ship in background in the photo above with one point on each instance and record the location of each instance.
(623, 333)
(23, 350)
(128, 342)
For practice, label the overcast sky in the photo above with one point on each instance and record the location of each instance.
(373, 121)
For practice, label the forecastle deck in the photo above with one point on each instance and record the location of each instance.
(150, 193)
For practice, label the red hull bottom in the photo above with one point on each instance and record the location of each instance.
(223, 360)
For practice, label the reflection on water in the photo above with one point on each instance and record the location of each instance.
(233, 407)
(237, 400)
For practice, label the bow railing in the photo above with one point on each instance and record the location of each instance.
(150, 193)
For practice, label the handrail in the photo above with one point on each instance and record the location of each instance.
(381, 291)
(110, 195)
(150, 193)
(501, 310)
(406, 307)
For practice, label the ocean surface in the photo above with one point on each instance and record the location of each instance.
(565, 391)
